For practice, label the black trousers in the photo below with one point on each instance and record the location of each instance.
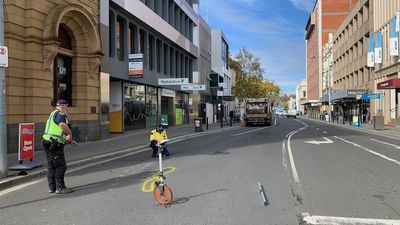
(56, 165)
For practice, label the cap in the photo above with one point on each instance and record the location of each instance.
(160, 127)
(62, 102)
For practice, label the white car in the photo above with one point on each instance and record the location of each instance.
(291, 113)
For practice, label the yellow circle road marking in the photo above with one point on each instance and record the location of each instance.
(148, 184)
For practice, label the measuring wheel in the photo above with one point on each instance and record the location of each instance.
(163, 194)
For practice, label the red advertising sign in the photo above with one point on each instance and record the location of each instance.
(26, 141)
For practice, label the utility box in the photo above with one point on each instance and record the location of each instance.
(198, 125)
(378, 122)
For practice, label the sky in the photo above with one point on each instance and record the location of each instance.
(272, 30)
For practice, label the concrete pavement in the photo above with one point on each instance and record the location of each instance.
(117, 144)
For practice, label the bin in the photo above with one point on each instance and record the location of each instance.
(198, 125)
(356, 121)
(378, 122)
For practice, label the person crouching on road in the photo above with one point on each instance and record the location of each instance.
(157, 135)
(56, 134)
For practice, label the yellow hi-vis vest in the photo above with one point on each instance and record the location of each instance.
(53, 130)
(154, 135)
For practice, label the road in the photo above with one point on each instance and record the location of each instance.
(312, 173)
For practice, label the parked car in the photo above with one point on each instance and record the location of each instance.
(291, 113)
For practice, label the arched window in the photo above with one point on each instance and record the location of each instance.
(62, 68)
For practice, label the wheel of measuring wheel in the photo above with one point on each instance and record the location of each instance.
(163, 197)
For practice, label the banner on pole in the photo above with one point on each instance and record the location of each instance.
(370, 54)
(394, 38)
(378, 47)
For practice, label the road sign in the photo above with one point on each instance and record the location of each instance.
(193, 87)
(173, 81)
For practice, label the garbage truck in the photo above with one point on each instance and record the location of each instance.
(258, 111)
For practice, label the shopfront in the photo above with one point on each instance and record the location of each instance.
(389, 106)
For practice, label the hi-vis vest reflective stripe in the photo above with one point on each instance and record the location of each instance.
(154, 135)
(53, 130)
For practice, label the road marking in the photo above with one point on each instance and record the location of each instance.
(386, 143)
(327, 141)
(250, 131)
(324, 132)
(369, 150)
(317, 128)
(331, 220)
(148, 184)
(294, 171)
(16, 188)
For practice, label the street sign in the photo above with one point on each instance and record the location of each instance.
(3, 56)
(375, 96)
(173, 81)
(193, 87)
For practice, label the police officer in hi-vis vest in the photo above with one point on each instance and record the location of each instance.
(56, 134)
(157, 135)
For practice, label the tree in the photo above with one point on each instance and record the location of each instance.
(250, 65)
(249, 81)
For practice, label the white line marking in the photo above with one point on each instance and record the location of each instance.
(294, 171)
(317, 128)
(327, 141)
(250, 131)
(16, 188)
(275, 122)
(324, 132)
(370, 151)
(330, 220)
(386, 143)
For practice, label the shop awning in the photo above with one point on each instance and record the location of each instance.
(389, 84)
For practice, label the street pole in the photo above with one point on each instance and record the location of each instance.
(329, 95)
(221, 112)
(3, 112)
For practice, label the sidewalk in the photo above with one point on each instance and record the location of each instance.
(388, 131)
(117, 144)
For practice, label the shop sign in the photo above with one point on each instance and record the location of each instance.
(354, 92)
(193, 87)
(173, 81)
(168, 93)
(135, 65)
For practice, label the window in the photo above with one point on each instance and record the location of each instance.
(159, 46)
(131, 39)
(171, 61)
(119, 36)
(165, 59)
(111, 37)
(62, 72)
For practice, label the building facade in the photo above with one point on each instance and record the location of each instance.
(301, 97)
(201, 99)
(54, 53)
(351, 75)
(387, 64)
(326, 17)
(220, 66)
(143, 42)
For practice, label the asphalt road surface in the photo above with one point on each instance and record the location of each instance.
(311, 173)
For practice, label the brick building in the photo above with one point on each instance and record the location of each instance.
(54, 53)
(326, 17)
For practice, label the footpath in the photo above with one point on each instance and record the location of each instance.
(90, 152)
